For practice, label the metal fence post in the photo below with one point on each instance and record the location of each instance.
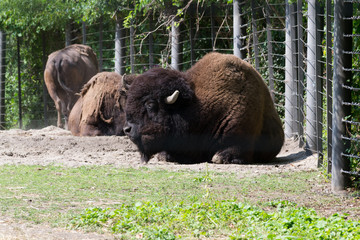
(329, 103)
(2, 78)
(319, 80)
(291, 114)
(119, 47)
(239, 31)
(270, 51)
(101, 35)
(192, 40)
(19, 82)
(83, 30)
(151, 42)
(236, 28)
(132, 47)
(175, 45)
(342, 61)
(255, 36)
(311, 77)
(300, 74)
(212, 21)
(45, 92)
(68, 34)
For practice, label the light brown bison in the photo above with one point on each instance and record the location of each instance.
(100, 108)
(66, 72)
(218, 111)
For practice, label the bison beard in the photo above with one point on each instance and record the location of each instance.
(219, 111)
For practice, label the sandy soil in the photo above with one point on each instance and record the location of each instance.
(52, 145)
(56, 146)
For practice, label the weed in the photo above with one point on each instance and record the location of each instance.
(206, 178)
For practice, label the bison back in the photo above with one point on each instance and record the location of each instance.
(236, 104)
(231, 93)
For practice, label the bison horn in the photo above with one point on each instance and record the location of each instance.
(172, 99)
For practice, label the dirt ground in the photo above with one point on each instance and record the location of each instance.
(55, 146)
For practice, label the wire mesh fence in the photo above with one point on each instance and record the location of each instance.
(348, 86)
(306, 51)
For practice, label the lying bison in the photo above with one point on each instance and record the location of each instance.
(66, 72)
(218, 111)
(100, 108)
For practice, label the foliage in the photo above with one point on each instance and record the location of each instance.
(217, 219)
(33, 16)
(31, 79)
(39, 27)
(150, 204)
(41, 15)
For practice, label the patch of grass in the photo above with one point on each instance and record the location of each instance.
(215, 220)
(158, 202)
(35, 192)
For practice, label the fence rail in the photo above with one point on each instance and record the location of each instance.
(307, 52)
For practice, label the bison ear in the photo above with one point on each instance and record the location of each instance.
(172, 98)
(127, 81)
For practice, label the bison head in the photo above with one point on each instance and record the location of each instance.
(160, 104)
(100, 108)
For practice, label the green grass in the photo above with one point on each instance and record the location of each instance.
(216, 220)
(152, 204)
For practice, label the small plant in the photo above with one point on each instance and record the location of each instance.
(205, 179)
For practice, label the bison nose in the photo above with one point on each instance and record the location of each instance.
(127, 129)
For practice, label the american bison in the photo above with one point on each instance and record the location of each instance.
(219, 111)
(66, 72)
(100, 109)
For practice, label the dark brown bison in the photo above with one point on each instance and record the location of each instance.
(66, 72)
(218, 111)
(100, 108)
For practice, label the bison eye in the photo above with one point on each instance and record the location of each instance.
(151, 106)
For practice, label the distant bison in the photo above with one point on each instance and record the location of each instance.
(100, 108)
(218, 111)
(66, 72)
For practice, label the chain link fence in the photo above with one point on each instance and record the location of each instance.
(306, 51)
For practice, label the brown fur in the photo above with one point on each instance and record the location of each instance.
(235, 99)
(224, 113)
(99, 110)
(66, 71)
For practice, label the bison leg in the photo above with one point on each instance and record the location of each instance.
(89, 130)
(66, 113)
(233, 155)
(66, 119)
(59, 122)
(59, 111)
(145, 158)
(172, 157)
